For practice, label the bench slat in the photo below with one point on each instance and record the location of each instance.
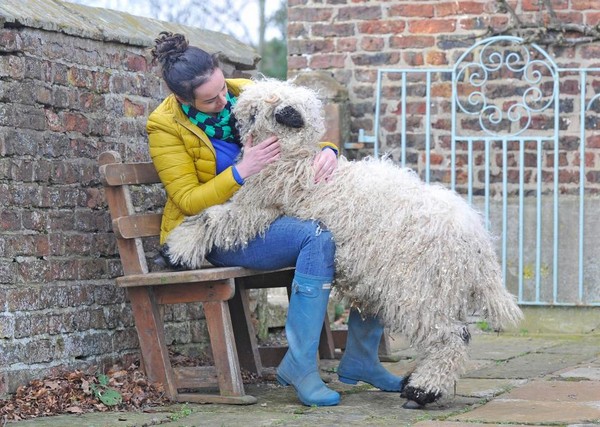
(195, 376)
(218, 290)
(138, 225)
(116, 174)
(160, 278)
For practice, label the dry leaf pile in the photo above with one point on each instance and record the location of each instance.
(73, 393)
(77, 392)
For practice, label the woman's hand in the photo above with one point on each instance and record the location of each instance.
(325, 164)
(256, 157)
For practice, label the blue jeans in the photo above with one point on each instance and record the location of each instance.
(288, 242)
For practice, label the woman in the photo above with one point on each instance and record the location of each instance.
(195, 149)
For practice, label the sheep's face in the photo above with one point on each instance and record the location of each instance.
(273, 107)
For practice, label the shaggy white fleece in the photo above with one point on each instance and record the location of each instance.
(417, 255)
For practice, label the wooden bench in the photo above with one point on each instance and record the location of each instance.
(223, 293)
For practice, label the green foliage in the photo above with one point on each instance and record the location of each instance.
(274, 59)
(274, 51)
(340, 312)
(484, 326)
(184, 411)
(106, 395)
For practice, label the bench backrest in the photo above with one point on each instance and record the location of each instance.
(129, 227)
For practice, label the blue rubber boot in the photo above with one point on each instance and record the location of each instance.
(360, 361)
(299, 367)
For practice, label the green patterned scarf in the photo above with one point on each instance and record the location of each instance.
(221, 126)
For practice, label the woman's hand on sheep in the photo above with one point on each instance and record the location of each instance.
(325, 164)
(256, 157)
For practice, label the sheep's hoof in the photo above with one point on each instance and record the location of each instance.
(411, 404)
(417, 398)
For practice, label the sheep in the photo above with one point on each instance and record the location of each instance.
(414, 254)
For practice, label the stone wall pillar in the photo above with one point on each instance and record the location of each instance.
(336, 104)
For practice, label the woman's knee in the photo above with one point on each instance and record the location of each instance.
(320, 240)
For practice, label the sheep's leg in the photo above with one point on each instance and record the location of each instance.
(441, 367)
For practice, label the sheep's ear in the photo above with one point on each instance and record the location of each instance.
(289, 116)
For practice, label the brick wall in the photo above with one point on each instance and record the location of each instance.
(351, 39)
(72, 86)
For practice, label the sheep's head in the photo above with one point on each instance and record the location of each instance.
(273, 107)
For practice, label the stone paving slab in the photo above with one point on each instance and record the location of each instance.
(528, 366)
(98, 419)
(590, 373)
(485, 388)
(547, 394)
(557, 391)
(459, 424)
(523, 411)
(502, 347)
(591, 349)
(542, 401)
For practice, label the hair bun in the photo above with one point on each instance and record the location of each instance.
(169, 47)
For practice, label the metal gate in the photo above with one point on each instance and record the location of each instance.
(514, 132)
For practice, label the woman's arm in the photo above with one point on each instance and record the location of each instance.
(177, 171)
(325, 161)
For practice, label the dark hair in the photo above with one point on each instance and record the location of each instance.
(184, 67)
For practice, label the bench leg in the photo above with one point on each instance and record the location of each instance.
(151, 334)
(229, 378)
(245, 336)
(223, 347)
(326, 344)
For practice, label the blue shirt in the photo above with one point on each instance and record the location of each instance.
(227, 153)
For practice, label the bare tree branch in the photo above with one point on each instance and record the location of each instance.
(555, 33)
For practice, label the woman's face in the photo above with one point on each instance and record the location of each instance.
(209, 97)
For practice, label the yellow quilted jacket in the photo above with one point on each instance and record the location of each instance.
(185, 161)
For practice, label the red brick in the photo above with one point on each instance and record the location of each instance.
(459, 8)
(378, 58)
(570, 17)
(390, 124)
(531, 5)
(10, 220)
(592, 18)
(497, 22)
(593, 141)
(332, 30)
(432, 26)
(309, 14)
(363, 75)
(592, 5)
(307, 47)
(434, 158)
(381, 27)
(297, 62)
(133, 109)
(136, 63)
(352, 13)
(372, 43)
(474, 23)
(443, 90)
(75, 122)
(346, 44)
(414, 42)
(327, 61)
(79, 77)
(590, 160)
(414, 59)
(296, 29)
(412, 10)
(435, 57)
(10, 41)
(53, 121)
